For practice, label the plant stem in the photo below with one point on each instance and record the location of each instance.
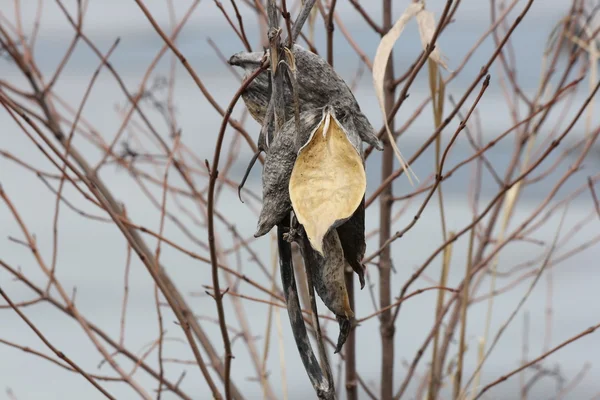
(350, 346)
(329, 27)
(385, 229)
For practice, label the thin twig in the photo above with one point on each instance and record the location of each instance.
(58, 353)
(503, 378)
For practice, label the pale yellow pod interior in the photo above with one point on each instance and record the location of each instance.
(328, 181)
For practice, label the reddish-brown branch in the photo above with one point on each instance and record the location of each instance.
(58, 353)
(104, 196)
(438, 179)
(120, 349)
(366, 17)
(392, 176)
(387, 328)
(503, 378)
(240, 33)
(214, 170)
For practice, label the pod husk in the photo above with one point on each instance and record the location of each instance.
(328, 181)
(320, 92)
(318, 85)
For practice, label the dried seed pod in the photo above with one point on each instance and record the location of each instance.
(352, 232)
(327, 272)
(277, 170)
(318, 85)
(329, 276)
(342, 246)
(352, 238)
(314, 165)
(328, 180)
(326, 188)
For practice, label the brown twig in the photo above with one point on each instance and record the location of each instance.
(58, 353)
(387, 328)
(503, 378)
(211, 230)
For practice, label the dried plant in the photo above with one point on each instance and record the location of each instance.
(130, 268)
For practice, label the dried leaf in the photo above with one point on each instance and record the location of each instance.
(328, 180)
(379, 66)
(426, 22)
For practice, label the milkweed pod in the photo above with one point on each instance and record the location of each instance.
(328, 180)
(329, 276)
(257, 94)
(279, 162)
(318, 85)
(352, 239)
(365, 130)
(327, 272)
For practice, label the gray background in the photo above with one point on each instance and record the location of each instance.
(92, 255)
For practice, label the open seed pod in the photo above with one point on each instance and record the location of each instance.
(352, 239)
(281, 158)
(317, 83)
(279, 162)
(327, 272)
(328, 180)
(314, 166)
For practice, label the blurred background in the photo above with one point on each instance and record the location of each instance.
(91, 256)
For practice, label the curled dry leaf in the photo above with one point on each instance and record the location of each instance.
(328, 180)
(379, 66)
(426, 22)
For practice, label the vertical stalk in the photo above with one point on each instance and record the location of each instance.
(438, 89)
(350, 346)
(329, 27)
(463, 318)
(320, 378)
(385, 230)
